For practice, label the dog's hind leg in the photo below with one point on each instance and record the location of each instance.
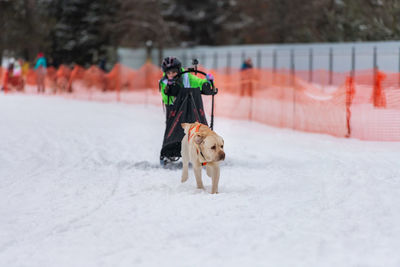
(197, 174)
(185, 170)
(185, 162)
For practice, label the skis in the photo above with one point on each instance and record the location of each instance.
(170, 163)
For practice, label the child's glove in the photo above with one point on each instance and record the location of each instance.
(207, 90)
(172, 88)
(210, 77)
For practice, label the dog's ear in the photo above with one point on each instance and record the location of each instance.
(184, 125)
(198, 138)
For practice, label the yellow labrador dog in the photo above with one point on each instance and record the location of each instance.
(201, 146)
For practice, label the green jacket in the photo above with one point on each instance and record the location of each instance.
(188, 80)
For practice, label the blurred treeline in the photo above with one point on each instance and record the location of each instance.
(86, 31)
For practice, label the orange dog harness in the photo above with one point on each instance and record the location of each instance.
(191, 128)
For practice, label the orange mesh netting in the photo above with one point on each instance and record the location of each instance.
(376, 107)
(62, 76)
(31, 77)
(281, 99)
(51, 77)
(365, 106)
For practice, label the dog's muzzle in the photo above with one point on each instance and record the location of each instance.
(221, 155)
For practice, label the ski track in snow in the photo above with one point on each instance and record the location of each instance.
(80, 185)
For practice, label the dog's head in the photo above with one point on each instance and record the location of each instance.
(211, 146)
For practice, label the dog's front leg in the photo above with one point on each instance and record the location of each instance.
(197, 174)
(215, 178)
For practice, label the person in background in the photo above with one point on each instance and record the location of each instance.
(102, 63)
(246, 88)
(18, 79)
(40, 69)
(247, 64)
(25, 69)
(17, 68)
(8, 75)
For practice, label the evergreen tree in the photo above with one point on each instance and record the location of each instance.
(23, 27)
(193, 21)
(81, 32)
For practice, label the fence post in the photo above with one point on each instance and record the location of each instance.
(379, 98)
(215, 60)
(375, 65)
(292, 75)
(184, 58)
(228, 62)
(349, 99)
(149, 50)
(330, 65)
(292, 68)
(160, 55)
(353, 61)
(350, 90)
(310, 65)
(259, 59)
(274, 63)
(399, 67)
(118, 81)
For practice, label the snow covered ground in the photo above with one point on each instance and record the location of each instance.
(80, 186)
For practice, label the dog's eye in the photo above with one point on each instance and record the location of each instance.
(222, 146)
(213, 147)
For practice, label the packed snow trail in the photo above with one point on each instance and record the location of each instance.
(80, 185)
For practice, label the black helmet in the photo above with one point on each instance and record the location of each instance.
(171, 63)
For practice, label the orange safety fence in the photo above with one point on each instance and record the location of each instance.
(281, 99)
(364, 106)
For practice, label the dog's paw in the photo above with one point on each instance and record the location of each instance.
(184, 179)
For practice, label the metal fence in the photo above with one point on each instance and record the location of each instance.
(332, 57)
